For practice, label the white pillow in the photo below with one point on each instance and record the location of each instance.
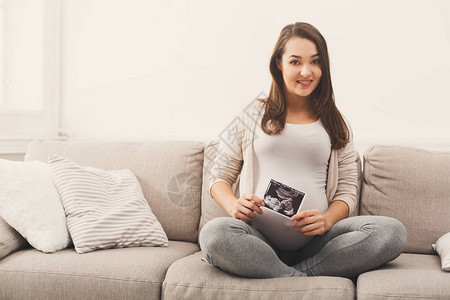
(29, 203)
(105, 209)
(442, 247)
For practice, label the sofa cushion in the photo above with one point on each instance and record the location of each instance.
(125, 273)
(104, 209)
(442, 247)
(30, 203)
(411, 185)
(192, 278)
(410, 276)
(10, 240)
(168, 172)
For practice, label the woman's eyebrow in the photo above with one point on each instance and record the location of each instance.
(298, 56)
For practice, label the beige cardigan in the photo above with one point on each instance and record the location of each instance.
(235, 156)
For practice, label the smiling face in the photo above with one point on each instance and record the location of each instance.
(300, 66)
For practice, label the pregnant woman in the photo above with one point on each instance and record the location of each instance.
(297, 135)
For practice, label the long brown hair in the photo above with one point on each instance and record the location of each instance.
(322, 97)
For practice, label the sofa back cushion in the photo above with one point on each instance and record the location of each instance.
(170, 174)
(411, 185)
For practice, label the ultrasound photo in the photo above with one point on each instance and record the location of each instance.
(283, 198)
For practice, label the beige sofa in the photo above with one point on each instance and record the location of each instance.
(406, 183)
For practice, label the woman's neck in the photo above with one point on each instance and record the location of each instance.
(299, 111)
(298, 105)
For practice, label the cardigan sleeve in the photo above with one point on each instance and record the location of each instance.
(228, 162)
(347, 184)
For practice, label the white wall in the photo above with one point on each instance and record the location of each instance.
(140, 70)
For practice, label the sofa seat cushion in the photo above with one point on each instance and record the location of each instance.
(410, 276)
(192, 278)
(126, 273)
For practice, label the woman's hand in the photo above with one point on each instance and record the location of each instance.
(311, 222)
(245, 207)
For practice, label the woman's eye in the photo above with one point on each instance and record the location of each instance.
(295, 62)
(316, 62)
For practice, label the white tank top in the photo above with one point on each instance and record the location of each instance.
(297, 157)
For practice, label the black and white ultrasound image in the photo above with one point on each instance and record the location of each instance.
(283, 198)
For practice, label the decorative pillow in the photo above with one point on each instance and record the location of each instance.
(29, 202)
(442, 247)
(104, 209)
(10, 240)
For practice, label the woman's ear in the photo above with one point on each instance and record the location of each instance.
(278, 64)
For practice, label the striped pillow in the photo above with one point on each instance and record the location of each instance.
(104, 209)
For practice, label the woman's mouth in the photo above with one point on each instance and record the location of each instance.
(304, 83)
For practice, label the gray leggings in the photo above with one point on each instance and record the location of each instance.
(352, 246)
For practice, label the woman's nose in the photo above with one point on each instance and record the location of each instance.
(305, 71)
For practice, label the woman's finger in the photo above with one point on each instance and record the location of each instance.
(313, 228)
(243, 217)
(254, 198)
(309, 228)
(305, 221)
(241, 212)
(251, 205)
(240, 215)
(304, 214)
(244, 210)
